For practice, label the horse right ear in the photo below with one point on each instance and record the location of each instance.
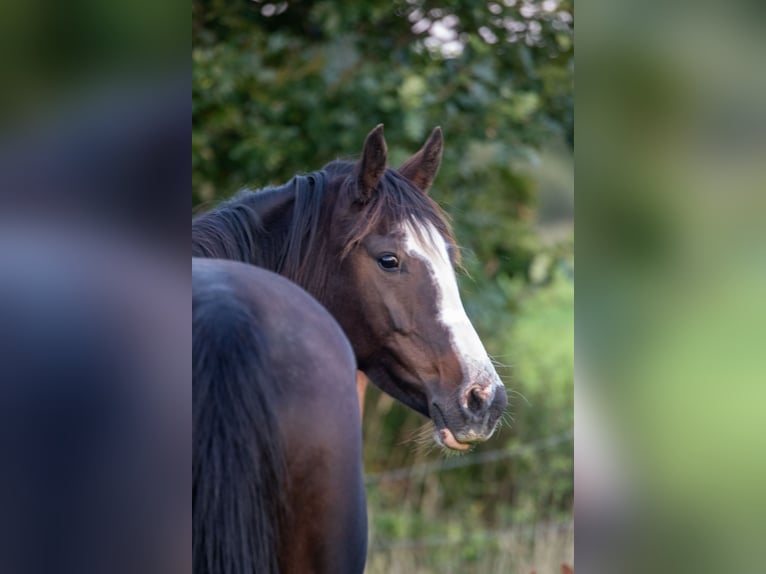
(422, 167)
(372, 166)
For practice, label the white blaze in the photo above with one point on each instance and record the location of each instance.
(430, 247)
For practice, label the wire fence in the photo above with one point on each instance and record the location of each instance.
(424, 469)
(519, 530)
(519, 542)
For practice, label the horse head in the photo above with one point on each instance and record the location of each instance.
(396, 296)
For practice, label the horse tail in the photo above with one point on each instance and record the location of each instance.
(238, 463)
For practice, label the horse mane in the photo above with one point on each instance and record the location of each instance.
(299, 248)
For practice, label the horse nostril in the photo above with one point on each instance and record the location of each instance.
(475, 401)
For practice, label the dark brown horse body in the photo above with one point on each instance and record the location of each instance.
(278, 483)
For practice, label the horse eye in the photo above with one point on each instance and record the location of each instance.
(388, 262)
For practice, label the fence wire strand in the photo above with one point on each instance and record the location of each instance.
(424, 469)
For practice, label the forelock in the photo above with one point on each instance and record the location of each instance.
(397, 203)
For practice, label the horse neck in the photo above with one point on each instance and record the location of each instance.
(274, 207)
(258, 228)
(248, 228)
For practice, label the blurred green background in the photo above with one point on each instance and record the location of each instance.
(671, 313)
(281, 88)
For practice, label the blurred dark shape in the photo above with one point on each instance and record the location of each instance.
(95, 329)
(95, 405)
(118, 159)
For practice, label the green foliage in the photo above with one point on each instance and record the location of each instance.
(286, 93)
(282, 88)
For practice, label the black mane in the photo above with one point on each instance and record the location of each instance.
(297, 246)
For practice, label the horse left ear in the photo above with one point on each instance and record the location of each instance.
(372, 165)
(421, 168)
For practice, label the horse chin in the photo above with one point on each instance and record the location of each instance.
(454, 436)
(445, 438)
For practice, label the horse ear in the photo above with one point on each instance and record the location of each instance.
(422, 167)
(373, 163)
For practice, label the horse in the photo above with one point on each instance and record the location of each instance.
(277, 464)
(273, 379)
(370, 244)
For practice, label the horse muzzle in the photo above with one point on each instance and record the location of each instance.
(471, 419)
